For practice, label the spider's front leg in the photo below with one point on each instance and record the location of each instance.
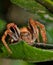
(15, 32)
(42, 30)
(4, 42)
(34, 30)
(15, 28)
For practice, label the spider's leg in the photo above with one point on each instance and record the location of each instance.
(15, 28)
(12, 35)
(34, 29)
(17, 34)
(4, 42)
(42, 30)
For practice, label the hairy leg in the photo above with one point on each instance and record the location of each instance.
(4, 42)
(42, 30)
(34, 28)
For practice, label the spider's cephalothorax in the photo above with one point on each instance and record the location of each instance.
(28, 34)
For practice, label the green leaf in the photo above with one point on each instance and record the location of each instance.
(22, 50)
(49, 30)
(49, 1)
(40, 12)
(2, 26)
(46, 3)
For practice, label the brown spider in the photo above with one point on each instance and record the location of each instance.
(29, 34)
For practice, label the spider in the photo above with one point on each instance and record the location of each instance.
(29, 34)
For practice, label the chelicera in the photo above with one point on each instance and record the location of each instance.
(29, 34)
